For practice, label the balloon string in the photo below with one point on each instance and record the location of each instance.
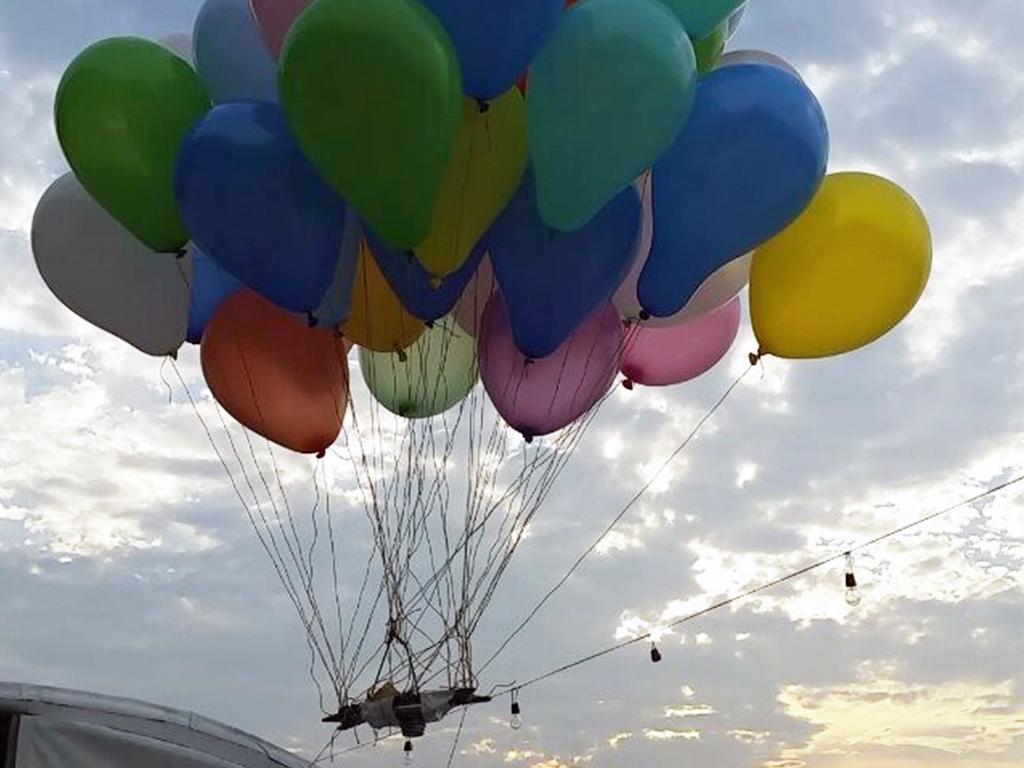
(618, 517)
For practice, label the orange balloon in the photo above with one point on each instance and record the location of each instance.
(377, 319)
(469, 311)
(276, 375)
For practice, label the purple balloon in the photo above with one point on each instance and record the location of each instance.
(538, 397)
(660, 357)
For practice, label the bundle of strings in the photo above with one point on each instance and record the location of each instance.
(434, 508)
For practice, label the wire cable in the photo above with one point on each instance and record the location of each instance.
(618, 517)
(769, 585)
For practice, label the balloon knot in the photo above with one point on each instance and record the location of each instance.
(529, 361)
(402, 357)
(628, 384)
(483, 106)
(409, 256)
(644, 315)
(180, 253)
(173, 354)
(528, 438)
(321, 453)
(311, 319)
(429, 323)
(755, 357)
(435, 282)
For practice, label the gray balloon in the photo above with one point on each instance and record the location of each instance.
(732, 58)
(734, 21)
(180, 44)
(106, 276)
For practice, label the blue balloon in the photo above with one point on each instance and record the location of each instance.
(421, 294)
(336, 303)
(552, 281)
(495, 39)
(211, 287)
(230, 55)
(749, 161)
(252, 201)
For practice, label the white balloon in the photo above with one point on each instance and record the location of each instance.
(625, 298)
(106, 276)
(717, 290)
(734, 21)
(180, 44)
(732, 58)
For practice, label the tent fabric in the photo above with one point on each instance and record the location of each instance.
(125, 718)
(46, 742)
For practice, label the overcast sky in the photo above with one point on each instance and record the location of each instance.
(126, 566)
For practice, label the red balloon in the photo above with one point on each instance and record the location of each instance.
(276, 375)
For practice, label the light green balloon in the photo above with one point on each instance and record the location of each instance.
(609, 93)
(373, 93)
(700, 17)
(709, 48)
(437, 372)
(123, 108)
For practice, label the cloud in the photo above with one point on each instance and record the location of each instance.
(881, 721)
(117, 525)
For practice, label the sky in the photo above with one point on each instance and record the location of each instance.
(127, 567)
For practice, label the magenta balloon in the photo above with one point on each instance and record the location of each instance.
(275, 18)
(538, 397)
(660, 357)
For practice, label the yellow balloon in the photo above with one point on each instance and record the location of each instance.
(484, 173)
(846, 272)
(377, 319)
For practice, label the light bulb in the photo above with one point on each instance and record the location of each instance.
(409, 758)
(516, 720)
(852, 592)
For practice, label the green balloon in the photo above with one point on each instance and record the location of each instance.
(373, 93)
(123, 107)
(700, 17)
(433, 375)
(709, 48)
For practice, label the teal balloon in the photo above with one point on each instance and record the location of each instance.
(430, 377)
(608, 95)
(700, 17)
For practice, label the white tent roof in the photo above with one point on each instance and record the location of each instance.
(59, 728)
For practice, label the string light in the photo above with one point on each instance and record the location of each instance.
(516, 720)
(852, 592)
(655, 653)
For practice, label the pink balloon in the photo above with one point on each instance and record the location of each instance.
(469, 311)
(660, 357)
(275, 18)
(538, 397)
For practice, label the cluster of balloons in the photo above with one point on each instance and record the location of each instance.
(537, 194)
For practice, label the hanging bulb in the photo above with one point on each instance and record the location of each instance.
(516, 720)
(655, 653)
(408, 758)
(852, 592)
